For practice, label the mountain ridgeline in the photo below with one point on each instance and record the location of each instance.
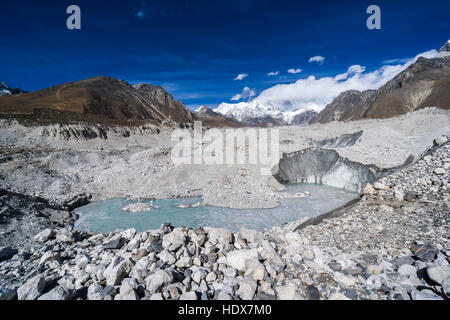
(99, 100)
(425, 83)
(108, 101)
(211, 118)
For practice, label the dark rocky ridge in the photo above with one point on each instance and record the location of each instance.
(164, 103)
(21, 217)
(266, 121)
(346, 140)
(304, 118)
(211, 118)
(349, 105)
(425, 83)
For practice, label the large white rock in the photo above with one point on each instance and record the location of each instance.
(237, 258)
(142, 264)
(250, 235)
(369, 190)
(288, 292)
(230, 272)
(211, 277)
(407, 270)
(32, 289)
(131, 296)
(184, 262)
(166, 257)
(223, 296)
(48, 256)
(190, 295)
(338, 296)
(57, 293)
(439, 273)
(446, 287)
(293, 237)
(128, 234)
(199, 275)
(219, 235)
(157, 280)
(94, 292)
(128, 285)
(174, 240)
(247, 289)
(44, 235)
(425, 295)
(116, 272)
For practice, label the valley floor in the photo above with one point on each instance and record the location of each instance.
(61, 161)
(393, 244)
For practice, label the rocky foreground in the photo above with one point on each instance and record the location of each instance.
(394, 244)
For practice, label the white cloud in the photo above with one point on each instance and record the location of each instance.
(397, 61)
(246, 93)
(315, 93)
(294, 71)
(141, 14)
(270, 74)
(352, 70)
(318, 59)
(240, 77)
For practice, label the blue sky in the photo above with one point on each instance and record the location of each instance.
(194, 49)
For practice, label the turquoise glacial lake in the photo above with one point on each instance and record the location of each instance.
(108, 215)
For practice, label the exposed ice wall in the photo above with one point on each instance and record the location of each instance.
(327, 167)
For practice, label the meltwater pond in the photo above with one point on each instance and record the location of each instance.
(108, 215)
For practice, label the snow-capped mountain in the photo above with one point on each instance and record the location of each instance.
(285, 110)
(288, 101)
(445, 50)
(6, 91)
(202, 110)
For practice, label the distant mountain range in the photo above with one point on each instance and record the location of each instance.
(211, 118)
(425, 83)
(247, 112)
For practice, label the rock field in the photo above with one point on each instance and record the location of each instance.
(59, 162)
(393, 244)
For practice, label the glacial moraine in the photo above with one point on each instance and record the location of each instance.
(393, 244)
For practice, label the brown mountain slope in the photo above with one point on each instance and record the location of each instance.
(426, 83)
(164, 103)
(349, 105)
(304, 118)
(99, 99)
